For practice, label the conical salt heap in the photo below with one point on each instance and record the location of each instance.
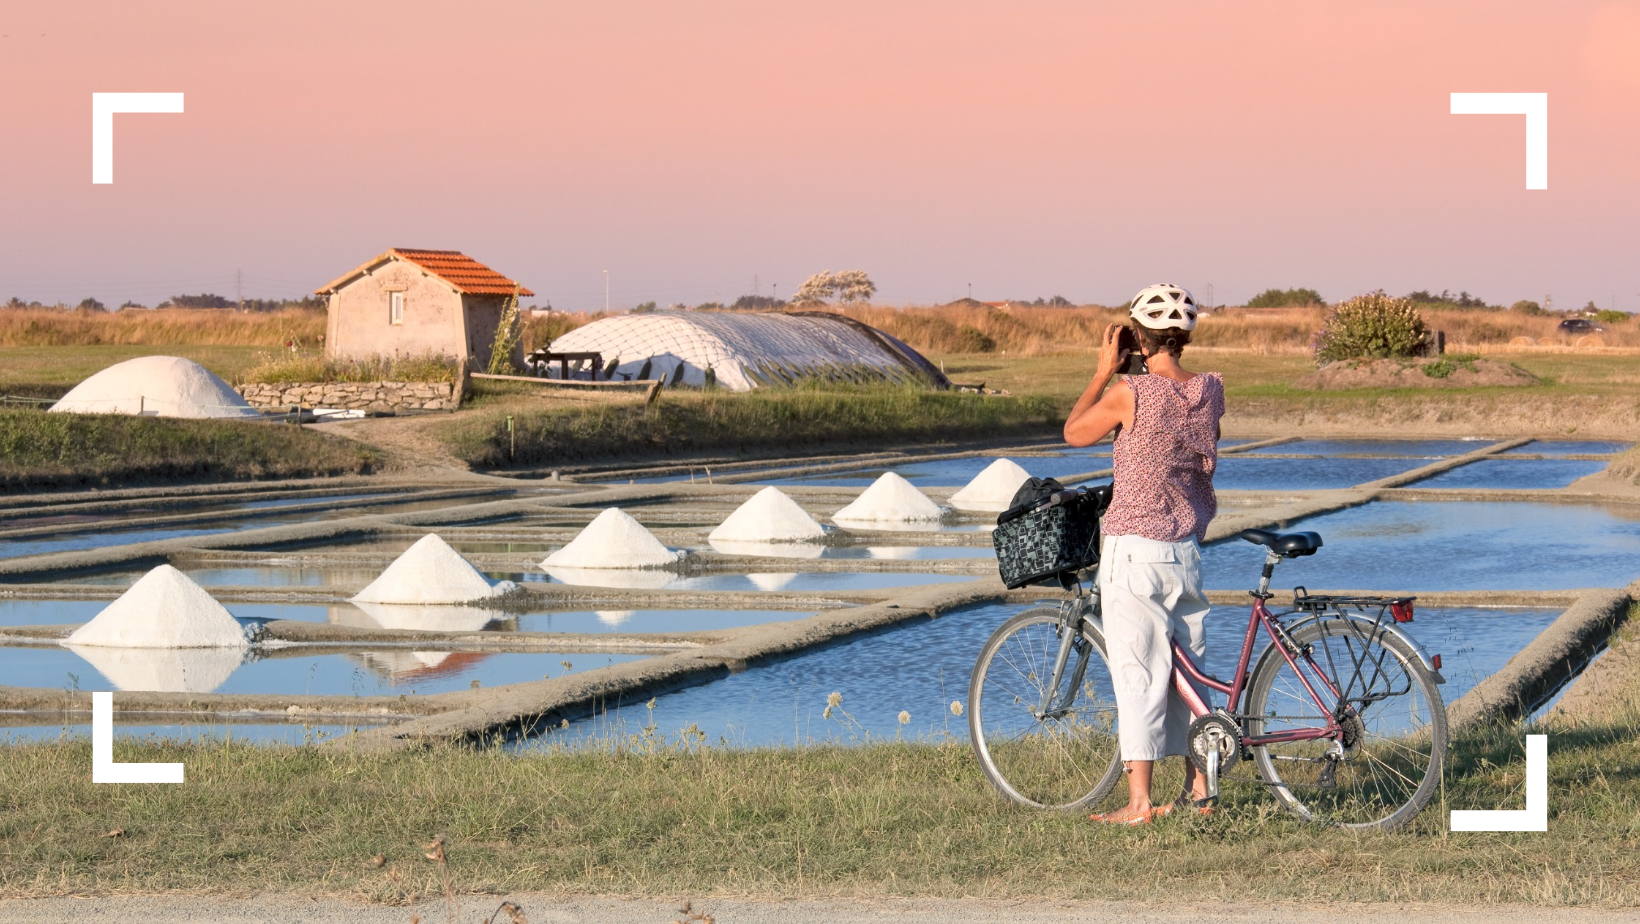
(890, 498)
(613, 540)
(431, 572)
(164, 609)
(770, 516)
(992, 489)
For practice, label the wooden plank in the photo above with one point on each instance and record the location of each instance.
(572, 383)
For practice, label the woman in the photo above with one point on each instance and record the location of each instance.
(1167, 425)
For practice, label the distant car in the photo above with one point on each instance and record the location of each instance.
(1579, 326)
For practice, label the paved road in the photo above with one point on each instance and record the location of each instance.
(543, 909)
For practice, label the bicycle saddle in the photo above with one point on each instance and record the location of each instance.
(1290, 545)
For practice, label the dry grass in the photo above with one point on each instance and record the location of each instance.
(283, 367)
(159, 327)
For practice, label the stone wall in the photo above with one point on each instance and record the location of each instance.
(379, 397)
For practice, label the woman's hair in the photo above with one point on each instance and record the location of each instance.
(1172, 340)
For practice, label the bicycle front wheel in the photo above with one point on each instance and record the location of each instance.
(1388, 763)
(1063, 757)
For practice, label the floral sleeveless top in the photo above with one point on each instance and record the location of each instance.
(1164, 463)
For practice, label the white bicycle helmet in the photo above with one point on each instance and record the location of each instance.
(1164, 306)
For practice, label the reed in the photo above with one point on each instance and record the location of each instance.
(160, 327)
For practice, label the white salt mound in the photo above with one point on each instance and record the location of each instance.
(163, 670)
(770, 516)
(992, 489)
(431, 572)
(161, 386)
(629, 578)
(613, 540)
(429, 617)
(890, 498)
(164, 609)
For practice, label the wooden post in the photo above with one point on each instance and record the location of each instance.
(512, 439)
(654, 392)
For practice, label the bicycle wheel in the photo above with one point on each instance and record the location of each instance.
(1389, 762)
(1067, 758)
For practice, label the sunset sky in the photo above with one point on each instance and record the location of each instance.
(1029, 149)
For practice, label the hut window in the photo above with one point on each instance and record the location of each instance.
(395, 307)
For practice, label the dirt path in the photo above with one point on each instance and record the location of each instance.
(548, 909)
(404, 440)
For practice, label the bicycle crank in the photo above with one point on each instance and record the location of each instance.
(1214, 744)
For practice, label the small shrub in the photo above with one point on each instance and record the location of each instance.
(1605, 316)
(1282, 298)
(1452, 362)
(1526, 306)
(1371, 326)
(973, 340)
(280, 368)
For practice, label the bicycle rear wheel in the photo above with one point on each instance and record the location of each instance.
(1067, 758)
(1389, 762)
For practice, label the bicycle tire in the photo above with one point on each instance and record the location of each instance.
(1066, 762)
(1388, 774)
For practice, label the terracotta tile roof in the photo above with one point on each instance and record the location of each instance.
(462, 272)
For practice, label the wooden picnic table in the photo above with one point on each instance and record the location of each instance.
(546, 357)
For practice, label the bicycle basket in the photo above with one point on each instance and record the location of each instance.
(1037, 543)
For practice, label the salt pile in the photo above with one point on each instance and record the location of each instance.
(992, 489)
(164, 609)
(768, 549)
(162, 386)
(614, 540)
(429, 618)
(890, 498)
(771, 582)
(770, 516)
(431, 572)
(629, 579)
(163, 670)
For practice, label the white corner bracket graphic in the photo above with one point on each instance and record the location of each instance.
(1535, 107)
(1535, 817)
(103, 768)
(103, 107)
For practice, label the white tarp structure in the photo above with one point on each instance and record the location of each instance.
(156, 386)
(745, 350)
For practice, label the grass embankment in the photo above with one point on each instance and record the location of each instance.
(160, 327)
(684, 422)
(39, 450)
(887, 819)
(278, 368)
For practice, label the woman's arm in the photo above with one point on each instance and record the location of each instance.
(1098, 412)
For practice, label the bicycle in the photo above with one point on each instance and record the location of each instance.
(1342, 719)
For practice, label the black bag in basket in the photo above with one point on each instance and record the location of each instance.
(1049, 534)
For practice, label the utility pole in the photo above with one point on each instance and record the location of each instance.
(1210, 296)
(970, 291)
(606, 291)
(239, 287)
(755, 291)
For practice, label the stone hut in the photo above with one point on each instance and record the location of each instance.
(411, 302)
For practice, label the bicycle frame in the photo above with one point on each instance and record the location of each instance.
(1185, 670)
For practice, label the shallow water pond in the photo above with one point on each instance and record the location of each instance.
(204, 670)
(1512, 473)
(1570, 447)
(1253, 473)
(1421, 449)
(924, 666)
(760, 580)
(261, 733)
(1396, 546)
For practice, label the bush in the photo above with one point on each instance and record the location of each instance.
(278, 368)
(1283, 298)
(1526, 306)
(973, 340)
(1371, 326)
(1611, 317)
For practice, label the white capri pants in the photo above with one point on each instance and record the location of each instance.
(1151, 593)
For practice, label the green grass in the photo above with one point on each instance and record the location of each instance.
(885, 819)
(685, 421)
(38, 449)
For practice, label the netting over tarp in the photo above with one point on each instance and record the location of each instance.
(746, 350)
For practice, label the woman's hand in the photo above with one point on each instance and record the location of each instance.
(1111, 354)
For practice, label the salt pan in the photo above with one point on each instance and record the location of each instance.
(629, 578)
(768, 549)
(429, 617)
(614, 540)
(770, 516)
(163, 609)
(162, 386)
(993, 489)
(431, 572)
(890, 498)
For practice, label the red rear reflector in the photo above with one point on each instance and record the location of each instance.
(1436, 660)
(1401, 611)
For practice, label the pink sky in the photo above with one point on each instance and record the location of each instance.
(1027, 148)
